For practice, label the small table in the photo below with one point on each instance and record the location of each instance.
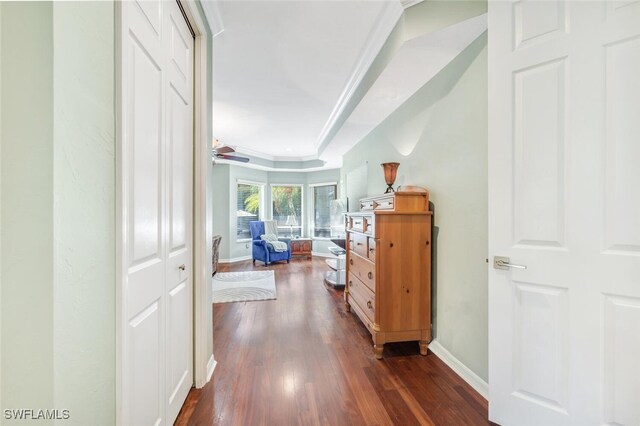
(301, 247)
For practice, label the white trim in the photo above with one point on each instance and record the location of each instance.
(211, 365)
(269, 157)
(312, 185)
(460, 369)
(253, 153)
(385, 22)
(250, 165)
(249, 182)
(121, 322)
(235, 259)
(320, 254)
(213, 15)
(408, 3)
(201, 240)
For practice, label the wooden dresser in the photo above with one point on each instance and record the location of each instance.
(389, 268)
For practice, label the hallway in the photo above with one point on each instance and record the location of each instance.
(302, 359)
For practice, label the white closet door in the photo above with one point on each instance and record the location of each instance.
(156, 173)
(179, 132)
(564, 201)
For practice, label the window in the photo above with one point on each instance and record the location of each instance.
(287, 209)
(323, 195)
(248, 207)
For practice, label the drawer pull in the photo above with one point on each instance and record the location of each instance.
(372, 249)
(350, 261)
(358, 244)
(369, 305)
(370, 275)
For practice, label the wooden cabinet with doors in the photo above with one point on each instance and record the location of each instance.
(389, 268)
(301, 247)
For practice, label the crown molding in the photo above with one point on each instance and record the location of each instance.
(214, 17)
(408, 3)
(277, 169)
(269, 157)
(254, 153)
(385, 22)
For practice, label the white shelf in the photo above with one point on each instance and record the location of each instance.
(334, 278)
(333, 264)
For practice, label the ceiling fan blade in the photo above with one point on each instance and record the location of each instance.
(232, 158)
(224, 149)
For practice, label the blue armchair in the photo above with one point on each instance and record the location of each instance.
(263, 251)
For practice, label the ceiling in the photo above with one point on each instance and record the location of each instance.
(284, 72)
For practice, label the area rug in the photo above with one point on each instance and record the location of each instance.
(243, 286)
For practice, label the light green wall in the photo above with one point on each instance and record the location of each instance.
(84, 210)
(225, 180)
(27, 201)
(57, 190)
(58, 194)
(439, 137)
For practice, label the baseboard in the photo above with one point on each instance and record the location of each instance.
(320, 254)
(211, 365)
(461, 370)
(234, 259)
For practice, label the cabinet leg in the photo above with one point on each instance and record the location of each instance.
(377, 351)
(423, 347)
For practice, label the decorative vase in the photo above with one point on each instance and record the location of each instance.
(390, 170)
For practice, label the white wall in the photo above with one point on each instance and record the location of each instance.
(439, 137)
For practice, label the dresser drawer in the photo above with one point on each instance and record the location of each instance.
(366, 205)
(371, 252)
(363, 269)
(363, 296)
(358, 243)
(386, 203)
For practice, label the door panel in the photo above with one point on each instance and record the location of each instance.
(622, 147)
(179, 131)
(563, 201)
(539, 134)
(622, 345)
(157, 182)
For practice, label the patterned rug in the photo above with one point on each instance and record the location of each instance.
(243, 286)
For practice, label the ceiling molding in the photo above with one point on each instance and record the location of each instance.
(269, 157)
(408, 3)
(386, 21)
(212, 13)
(275, 169)
(253, 153)
(416, 62)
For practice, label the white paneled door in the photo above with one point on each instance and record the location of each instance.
(157, 187)
(564, 201)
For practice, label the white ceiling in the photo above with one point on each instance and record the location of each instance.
(285, 70)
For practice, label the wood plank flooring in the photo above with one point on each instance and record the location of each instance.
(304, 360)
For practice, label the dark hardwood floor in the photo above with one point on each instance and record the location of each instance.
(303, 359)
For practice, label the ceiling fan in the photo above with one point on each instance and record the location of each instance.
(222, 152)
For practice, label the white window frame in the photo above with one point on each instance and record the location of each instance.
(302, 203)
(312, 216)
(261, 214)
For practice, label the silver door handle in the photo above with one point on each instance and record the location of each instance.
(502, 262)
(182, 267)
